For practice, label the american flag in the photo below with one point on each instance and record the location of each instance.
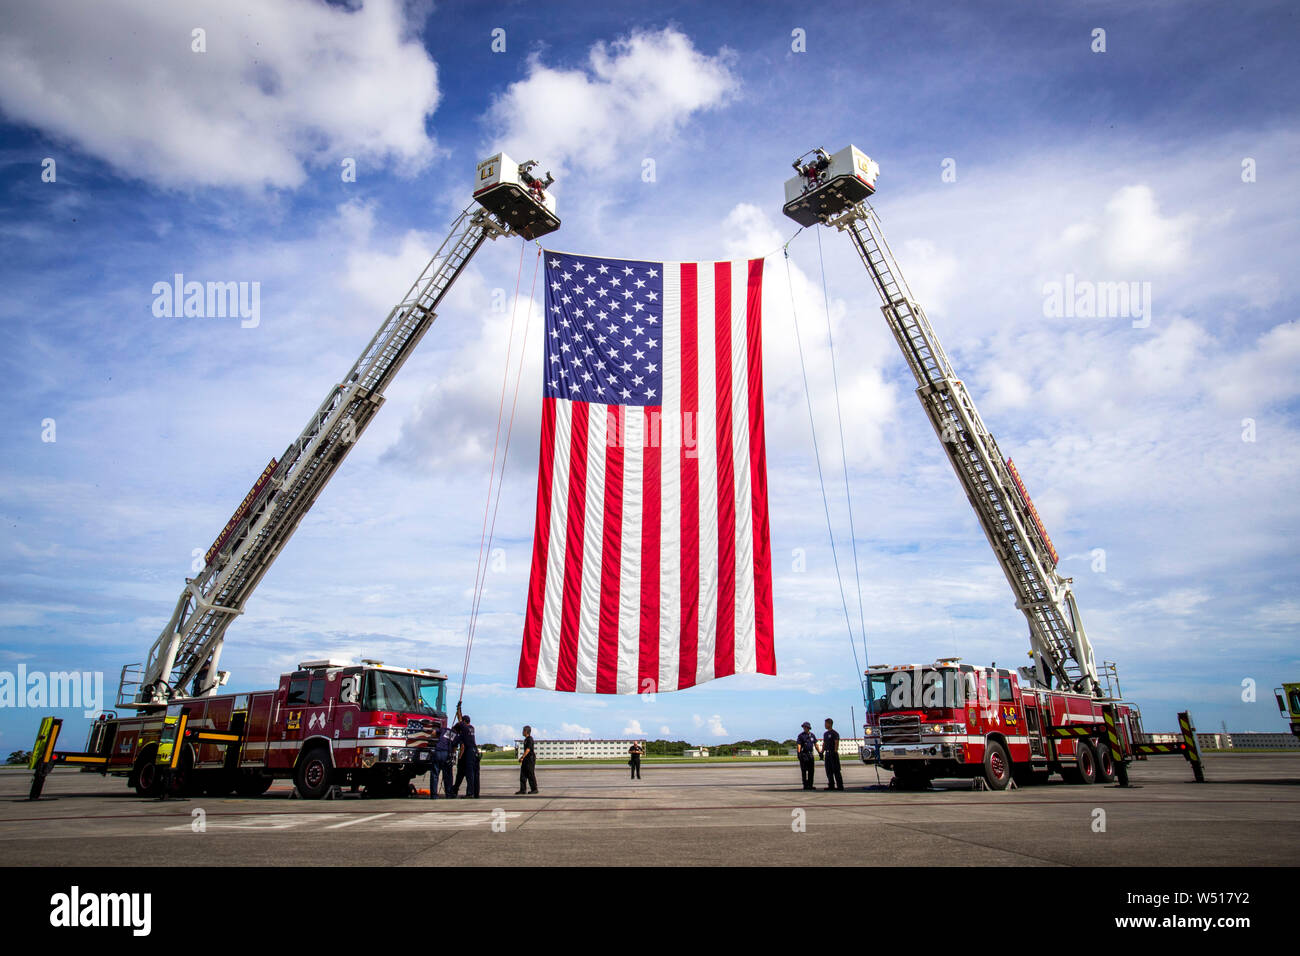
(652, 567)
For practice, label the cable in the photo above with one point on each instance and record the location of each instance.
(844, 457)
(839, 578)
(485, 544)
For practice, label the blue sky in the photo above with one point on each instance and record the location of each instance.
(1123, 165)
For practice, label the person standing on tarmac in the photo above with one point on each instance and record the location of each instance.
(444, 752)
(634, 761)
(805, 745)
(468, 769)
(527, 763)
(829, 748)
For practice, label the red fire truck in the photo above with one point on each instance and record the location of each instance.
(328, 723)
(950, 719)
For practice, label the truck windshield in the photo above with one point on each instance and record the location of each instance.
(915, 689)
(406, 693)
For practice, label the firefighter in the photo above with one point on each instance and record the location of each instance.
(634, 760)
(527, 763)
(805, 745)
(829, 748)
(467, 767)
(444, 750)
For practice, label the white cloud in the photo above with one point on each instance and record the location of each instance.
(633, 728)
(665, 730)
(712, 724)
(639, 88)
(1131, 236)
(496, 734)
(281, 86)
(1264, 374)
(575, 730)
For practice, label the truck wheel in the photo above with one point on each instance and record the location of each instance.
(997, 768)
(148, 781)
(312, 778)
(252, 784)
(1105, 764)
(1084, 770)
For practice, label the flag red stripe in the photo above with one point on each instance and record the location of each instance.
(611, 553)
(765, 652)
(690, 484)
(541, 540)
(724, 652)
(566, 675)
(648, 658)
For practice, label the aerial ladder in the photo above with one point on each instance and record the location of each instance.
(183, 661)
(833, 190)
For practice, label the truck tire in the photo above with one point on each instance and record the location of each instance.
(1105, 763)
(148, 781)
(1084, 770)
(252, 784)
(312, 775)
(997, 766)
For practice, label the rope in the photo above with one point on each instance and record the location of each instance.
(489, 531)
(830, 530)
(844, 457)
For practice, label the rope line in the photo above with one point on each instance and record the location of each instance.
(830, 529)
(480, 570)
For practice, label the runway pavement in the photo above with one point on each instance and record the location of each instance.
(1247, 813)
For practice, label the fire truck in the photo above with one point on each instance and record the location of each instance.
(948, 718)
(327, 722)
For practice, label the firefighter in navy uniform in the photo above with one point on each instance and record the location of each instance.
(805, 745)
(467, 769)
(444, 753)
(830, 751)
(527, 764)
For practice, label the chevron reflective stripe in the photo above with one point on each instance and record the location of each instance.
(1189, 740)
(1073, 731)
(1159, 748)
(1112, 735)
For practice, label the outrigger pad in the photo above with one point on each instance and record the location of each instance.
(818, 205)
(516, 208)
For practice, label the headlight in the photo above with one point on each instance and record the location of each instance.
(943, 728)
(366, 733)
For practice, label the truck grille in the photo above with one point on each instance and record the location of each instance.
(900, 729)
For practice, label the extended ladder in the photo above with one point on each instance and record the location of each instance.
(189, 648)
(1061, 648)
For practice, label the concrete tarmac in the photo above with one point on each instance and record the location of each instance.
(1248, 813)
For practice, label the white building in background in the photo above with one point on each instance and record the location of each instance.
(584, 749)
(696, 752)
(751, 753)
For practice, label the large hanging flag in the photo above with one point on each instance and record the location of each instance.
(652, 567)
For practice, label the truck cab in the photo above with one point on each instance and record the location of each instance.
(1288, 703)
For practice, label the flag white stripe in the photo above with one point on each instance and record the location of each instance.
(629, 605)
(548, 654)
(593, 529)
(670, 483)
(707, 446)
(746, 641)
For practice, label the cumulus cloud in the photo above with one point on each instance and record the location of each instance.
(575, 730)
(642, 86)
(712, 724)
(1262, 375)
(280, 87)
(1131, 235)
(633, 728)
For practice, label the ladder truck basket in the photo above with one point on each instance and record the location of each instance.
(511, 192)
